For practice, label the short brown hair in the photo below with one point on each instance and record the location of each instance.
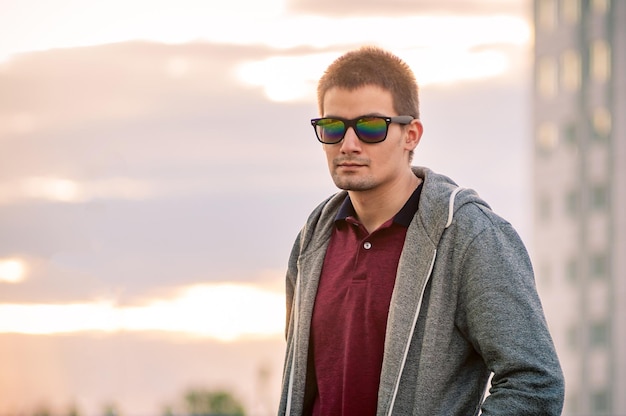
(371, 65)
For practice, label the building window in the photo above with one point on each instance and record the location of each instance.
(602, 122)
(600, 402)
(599, 197)
(547, 77)
(598, 266)
(570, 70)
(571, 270)
(547, 137)
(544, 208)
(570, 11)
(599, 334)
(600, 61)
(571, 203)
(546, 14)
(572, 337)
(601, 6)
(570, 133)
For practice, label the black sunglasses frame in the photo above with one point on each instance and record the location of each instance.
(404, 120)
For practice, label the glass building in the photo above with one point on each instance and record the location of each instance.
(579, 194)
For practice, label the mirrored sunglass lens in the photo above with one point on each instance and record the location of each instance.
(330, 130)
(371, 129)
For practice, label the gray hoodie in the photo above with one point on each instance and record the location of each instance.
(464, 308)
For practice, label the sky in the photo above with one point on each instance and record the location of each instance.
(156, 163)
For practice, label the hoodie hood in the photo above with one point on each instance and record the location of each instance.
(444, 199)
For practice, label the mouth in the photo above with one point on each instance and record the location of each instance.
(349, 164)
(349, 167)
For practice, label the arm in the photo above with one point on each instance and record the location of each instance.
(503, 318)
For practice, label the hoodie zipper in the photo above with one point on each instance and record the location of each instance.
(408, 344)
(419, 304)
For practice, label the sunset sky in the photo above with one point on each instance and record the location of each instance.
(157, 162)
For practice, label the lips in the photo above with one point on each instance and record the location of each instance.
(350, 164)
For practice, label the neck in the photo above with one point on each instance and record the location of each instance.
(375, 207)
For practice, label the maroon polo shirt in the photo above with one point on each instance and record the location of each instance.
(350, 312)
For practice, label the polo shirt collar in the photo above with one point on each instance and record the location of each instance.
(403, 217)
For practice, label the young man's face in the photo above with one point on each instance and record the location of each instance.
(358, 166)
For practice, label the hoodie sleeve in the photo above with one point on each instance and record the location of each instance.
(290, 281)
(503, 318)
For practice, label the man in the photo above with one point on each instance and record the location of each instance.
(405, 293)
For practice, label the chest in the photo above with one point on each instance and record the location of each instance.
(359, 271)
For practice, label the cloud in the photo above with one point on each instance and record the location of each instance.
(41, 279)
(69, 191)
(135, 119)
(294, 78)
(142, 166)
(33, 26)
(12, 270)
(223, 311)
(72, 87)
(408, 7)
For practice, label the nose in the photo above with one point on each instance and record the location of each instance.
(350, 142)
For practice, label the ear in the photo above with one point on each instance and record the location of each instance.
(414, 134)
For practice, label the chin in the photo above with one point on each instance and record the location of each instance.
(353, 184)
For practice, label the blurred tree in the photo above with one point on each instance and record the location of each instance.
(110, 409)
(199, 402)
(42, 411)
(167, 411)
(73, 410)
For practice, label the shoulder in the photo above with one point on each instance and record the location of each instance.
(477, 223)
(477, 216)
(326, 210)
(318, 225)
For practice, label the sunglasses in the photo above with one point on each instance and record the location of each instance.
(369, 129)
